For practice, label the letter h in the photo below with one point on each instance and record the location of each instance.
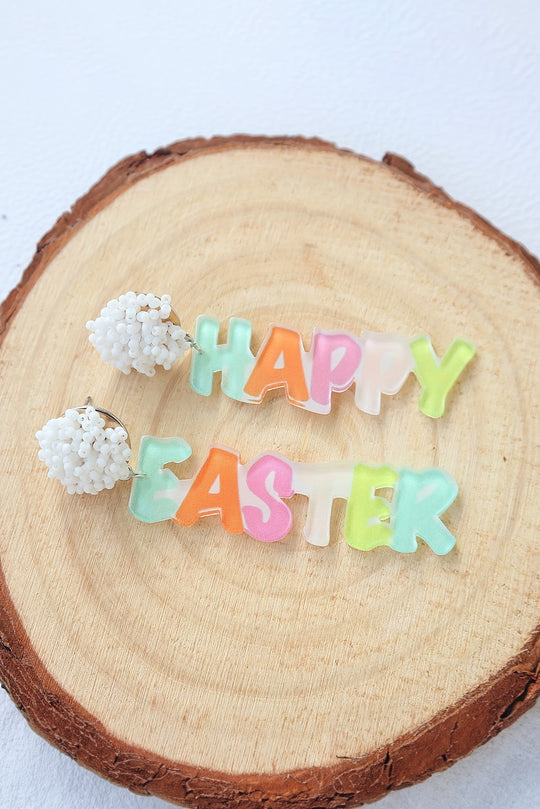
(234, 358)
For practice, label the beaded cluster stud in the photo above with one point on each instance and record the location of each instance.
(82, 452)
(139, 331)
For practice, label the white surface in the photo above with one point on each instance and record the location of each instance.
(454, 87)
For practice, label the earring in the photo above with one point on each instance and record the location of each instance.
(82, 452)
(140, 331)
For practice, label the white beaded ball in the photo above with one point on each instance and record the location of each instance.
(135, 332)
(83, 454)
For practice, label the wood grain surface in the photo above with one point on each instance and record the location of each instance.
(212, 669)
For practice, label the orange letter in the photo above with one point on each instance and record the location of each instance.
(219, 471)
(279, 365)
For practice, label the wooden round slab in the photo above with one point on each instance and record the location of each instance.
(211, 669)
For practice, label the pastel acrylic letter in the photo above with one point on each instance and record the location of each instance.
(279, 365)
(147, 501)
(336, 357)
(363, 527)
(436, 376)
(233, 359)
(269, 478)
(322, 483)
(214, 491)
(386, 364)
(419, 499)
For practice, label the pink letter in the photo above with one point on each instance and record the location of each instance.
(333, 371)
(279, 521)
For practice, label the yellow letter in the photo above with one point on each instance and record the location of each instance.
(437, 376)
(363, 527)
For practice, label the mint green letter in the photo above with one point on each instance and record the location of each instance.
(419, 499)
(145, 502)
(234, 358)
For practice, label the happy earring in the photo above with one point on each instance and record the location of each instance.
(83, 453)
(140, 331)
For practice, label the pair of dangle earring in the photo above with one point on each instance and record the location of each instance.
(87, 448)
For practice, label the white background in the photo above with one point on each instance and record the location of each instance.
(454, 87)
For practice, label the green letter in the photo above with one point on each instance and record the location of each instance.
(419, 499)
(234, 359)
(147, 502)
(363, 527)
(438, 376)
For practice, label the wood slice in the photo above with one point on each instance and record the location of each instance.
(211, 669)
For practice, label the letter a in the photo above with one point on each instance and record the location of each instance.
(214, 491)
(279, 365)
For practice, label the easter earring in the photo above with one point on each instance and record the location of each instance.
(140, 331)
(87, 449)
(87, 456)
